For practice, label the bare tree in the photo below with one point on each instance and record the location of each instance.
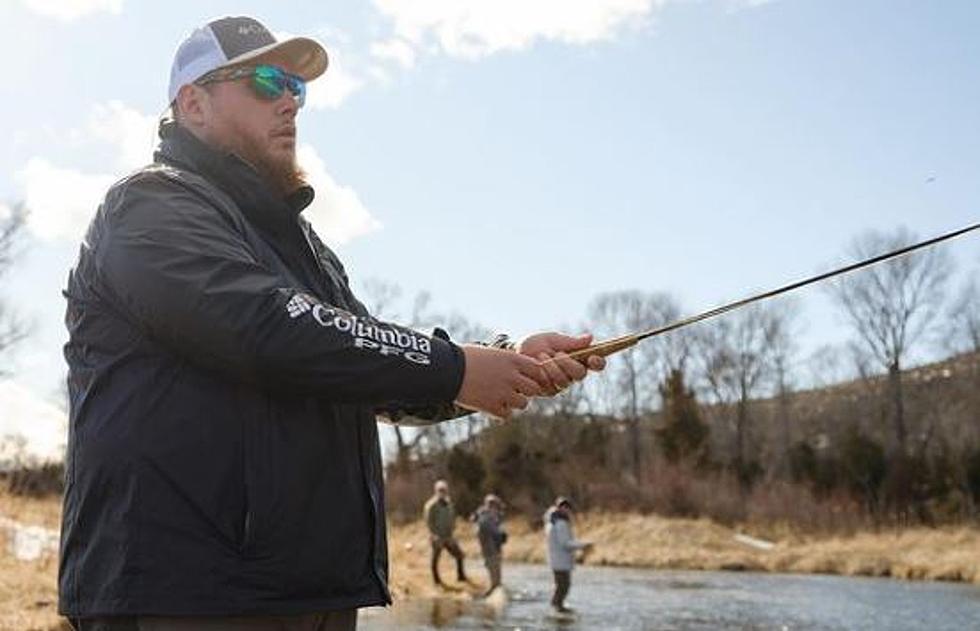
(615, 314)
(381, 298)
(964, 318)
(673, 350)
(890, 306)
(783, 350)
(12, 328)
(737, 359)
(826, 366)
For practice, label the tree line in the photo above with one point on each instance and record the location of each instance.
(733, 405)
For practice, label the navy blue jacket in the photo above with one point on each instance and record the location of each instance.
(223, 454)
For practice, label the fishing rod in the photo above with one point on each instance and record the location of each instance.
(616, 344)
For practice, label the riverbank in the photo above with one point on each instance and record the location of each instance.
(649, 541)
(28, 596)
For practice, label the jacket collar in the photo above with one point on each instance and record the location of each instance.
(233, 175)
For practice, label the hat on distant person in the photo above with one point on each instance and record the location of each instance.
(561, 501)
(232, 41)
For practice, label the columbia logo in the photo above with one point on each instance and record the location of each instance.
(298, 305)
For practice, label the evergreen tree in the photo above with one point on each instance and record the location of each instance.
(683, 434)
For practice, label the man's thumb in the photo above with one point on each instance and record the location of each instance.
(577, 342)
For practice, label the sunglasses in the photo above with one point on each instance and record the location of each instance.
(268, 82)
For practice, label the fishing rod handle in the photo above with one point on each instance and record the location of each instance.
(603, 349)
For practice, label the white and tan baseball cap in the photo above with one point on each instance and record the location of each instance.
(231, 41)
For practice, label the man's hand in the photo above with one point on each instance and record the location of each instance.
(563, 370)
(499, 381)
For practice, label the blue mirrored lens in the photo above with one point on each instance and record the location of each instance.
(270, 82)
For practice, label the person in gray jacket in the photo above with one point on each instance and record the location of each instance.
(489, 530)
(562, 546)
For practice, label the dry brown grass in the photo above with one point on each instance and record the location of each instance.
(28, 594)
(950, 554)
(946, 554)
(44, 512)
(28, 589)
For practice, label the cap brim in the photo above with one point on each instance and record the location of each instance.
(299, 55)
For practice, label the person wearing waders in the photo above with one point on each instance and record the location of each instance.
(223, 468)
(562, 547)
(491, 535)
(440, 518)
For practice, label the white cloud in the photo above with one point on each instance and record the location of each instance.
(31, 427)
(394, 49)
(63, 200)
(336, 85)
(476, 28)
(60, 201)
(473, 29)
(68, 10)
(130, 133)
(337, 213)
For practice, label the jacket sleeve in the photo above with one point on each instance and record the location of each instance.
(406, 414)
(566, 538)
(410, 414)
(186, 275)
(432, 517)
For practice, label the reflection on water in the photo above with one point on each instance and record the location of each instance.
(436, 613)
(611, 599)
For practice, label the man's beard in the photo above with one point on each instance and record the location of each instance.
(282, 174)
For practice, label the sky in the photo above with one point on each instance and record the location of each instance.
(515, 158)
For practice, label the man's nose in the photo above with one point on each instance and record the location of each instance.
(287, 104)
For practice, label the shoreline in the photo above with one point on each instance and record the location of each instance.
(29, 594)
(950, 554)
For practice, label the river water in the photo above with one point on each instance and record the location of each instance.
(615, 599)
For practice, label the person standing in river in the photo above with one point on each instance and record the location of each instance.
(223, 468)
(562, 547)
(440, 518)
(491, 535)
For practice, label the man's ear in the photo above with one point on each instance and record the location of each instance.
(194, 105)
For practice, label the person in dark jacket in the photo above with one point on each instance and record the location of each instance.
(490, 533)
(223, 467)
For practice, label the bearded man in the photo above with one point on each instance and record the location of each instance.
(223, 466)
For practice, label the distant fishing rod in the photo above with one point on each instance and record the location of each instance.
(616, 344)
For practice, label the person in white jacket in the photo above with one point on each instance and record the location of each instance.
(562, 546)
